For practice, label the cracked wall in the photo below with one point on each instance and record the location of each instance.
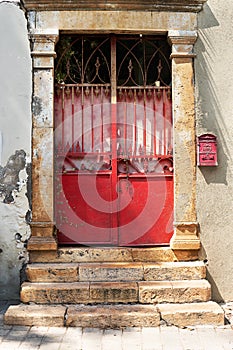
(15, 143)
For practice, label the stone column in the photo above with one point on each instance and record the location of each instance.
(185, 220)
(42, 225)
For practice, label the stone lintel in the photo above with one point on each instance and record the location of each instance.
(146, 5)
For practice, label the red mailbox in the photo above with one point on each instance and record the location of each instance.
(207, 150)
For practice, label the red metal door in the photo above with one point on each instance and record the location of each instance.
(113, 140)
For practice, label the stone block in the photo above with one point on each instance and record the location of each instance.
(42, 174)
(112, 316)
(193, 314)
(153, 254)
(113, 292)
(91, 255)
(111, 272)
(191, 291)
(35, 315)
(42, 106)
(174, 271)
(174, 291)
(155, 292)
(55, 293)
(52, 272)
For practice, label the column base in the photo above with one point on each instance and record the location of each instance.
(42, 237)
(185, 236)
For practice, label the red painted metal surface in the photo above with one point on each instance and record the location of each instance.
(113, 166)
(207, 150)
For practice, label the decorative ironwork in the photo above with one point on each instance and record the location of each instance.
(143, 61)
(83, 60)
(83, 102)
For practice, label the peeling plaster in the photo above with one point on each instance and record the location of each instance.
(9, 176)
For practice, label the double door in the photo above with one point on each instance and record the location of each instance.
(113, 141)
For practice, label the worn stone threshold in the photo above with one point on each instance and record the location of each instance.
(116, 316)
(113, 254)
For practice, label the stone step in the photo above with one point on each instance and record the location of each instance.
(115, 316)
(144, 292)
(124, 271)
(112, 254)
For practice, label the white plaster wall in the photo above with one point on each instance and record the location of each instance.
(15, 134)
(214, 92)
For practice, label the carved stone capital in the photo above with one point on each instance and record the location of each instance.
(182, 43)
(43, 48)
(45, 36)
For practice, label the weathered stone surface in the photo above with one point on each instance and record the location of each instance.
(113, 316)
(191, 291)
(113, 20)
(153, 254)
(111, 272)
(174, 291)
(86, 255)
(52, 272)
(35, 315)
(183, 315)
(42, 174)
(148, 5)
(45, 243)
(113, 292)
(55, 293)
(155, 292)
(174, 271)
(42, 105)
(94, 255)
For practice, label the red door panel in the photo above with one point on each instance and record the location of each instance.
(85, 208)
(148, 218)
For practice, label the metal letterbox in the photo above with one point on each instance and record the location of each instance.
(207, 150)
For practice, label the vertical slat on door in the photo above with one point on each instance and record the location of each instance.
(114, 140)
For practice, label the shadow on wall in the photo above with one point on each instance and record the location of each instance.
(208, 107)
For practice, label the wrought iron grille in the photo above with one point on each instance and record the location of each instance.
(87, 60)
(91, 72)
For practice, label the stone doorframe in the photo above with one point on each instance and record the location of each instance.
(181, 30)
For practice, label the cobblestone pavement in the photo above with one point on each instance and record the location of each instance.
(159, 338)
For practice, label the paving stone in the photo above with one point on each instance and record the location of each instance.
(174, 271)
(51, 272)
(191, 314)
(112, 339)
(170, 338)
(31, 315)
(132, 342)
(105, 316)
(55, 293)
(151, 338)
(111, 272)
(92, 339)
